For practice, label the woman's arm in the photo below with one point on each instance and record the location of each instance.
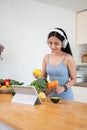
(44, 74)
(70, 62)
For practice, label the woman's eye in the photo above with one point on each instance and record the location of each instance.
(50, 43)
(56, 44)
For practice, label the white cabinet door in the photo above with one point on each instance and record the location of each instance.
(80, 93)
(82, 27)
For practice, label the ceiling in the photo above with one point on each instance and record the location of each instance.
(72, 5)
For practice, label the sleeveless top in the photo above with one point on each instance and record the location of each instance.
(59, 72)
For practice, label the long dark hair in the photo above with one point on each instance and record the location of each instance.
(67, 49)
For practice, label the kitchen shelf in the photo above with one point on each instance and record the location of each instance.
(81, 65)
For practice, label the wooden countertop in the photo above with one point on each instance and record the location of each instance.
(68, 115)
(84, 84)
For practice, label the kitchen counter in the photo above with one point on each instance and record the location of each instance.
(83, 84)
(68, 115)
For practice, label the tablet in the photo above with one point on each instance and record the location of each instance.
(26, 94)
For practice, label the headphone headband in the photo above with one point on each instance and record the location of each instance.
(65, 41)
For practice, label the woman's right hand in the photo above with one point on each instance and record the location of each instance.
(49, 90)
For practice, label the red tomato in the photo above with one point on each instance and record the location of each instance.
(7, 83)
(53, 84)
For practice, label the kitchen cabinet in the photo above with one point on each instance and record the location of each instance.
(82, 27)
(80, 93)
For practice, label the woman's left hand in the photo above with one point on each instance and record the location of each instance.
(59, 89)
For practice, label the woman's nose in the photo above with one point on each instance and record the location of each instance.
(53, 45)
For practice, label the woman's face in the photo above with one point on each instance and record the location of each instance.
(55, 44)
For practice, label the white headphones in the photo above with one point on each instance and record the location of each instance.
(65, 41)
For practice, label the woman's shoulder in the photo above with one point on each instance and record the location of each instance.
(46, 56)
(69, 58)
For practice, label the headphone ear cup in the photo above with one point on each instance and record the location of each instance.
(65, 42)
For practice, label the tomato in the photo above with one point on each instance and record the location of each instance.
(6, 80)
(49, 85)
(53, 84)
(7, 83)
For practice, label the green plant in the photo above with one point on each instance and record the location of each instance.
(40, 84)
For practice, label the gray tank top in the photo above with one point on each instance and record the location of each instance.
(58, 72)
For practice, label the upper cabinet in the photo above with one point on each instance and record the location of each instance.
(82, 27)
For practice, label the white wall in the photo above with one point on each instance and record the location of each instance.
(24, 25)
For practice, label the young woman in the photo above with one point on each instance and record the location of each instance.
(60, 64)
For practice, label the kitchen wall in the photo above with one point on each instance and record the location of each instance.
(24, 25)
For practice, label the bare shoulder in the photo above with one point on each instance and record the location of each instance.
(45, 58)
(70, 59)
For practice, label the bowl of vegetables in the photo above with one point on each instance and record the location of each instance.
(6, 85)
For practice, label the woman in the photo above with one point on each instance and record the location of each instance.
(59, 65)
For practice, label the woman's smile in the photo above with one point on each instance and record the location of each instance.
(54, 50)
